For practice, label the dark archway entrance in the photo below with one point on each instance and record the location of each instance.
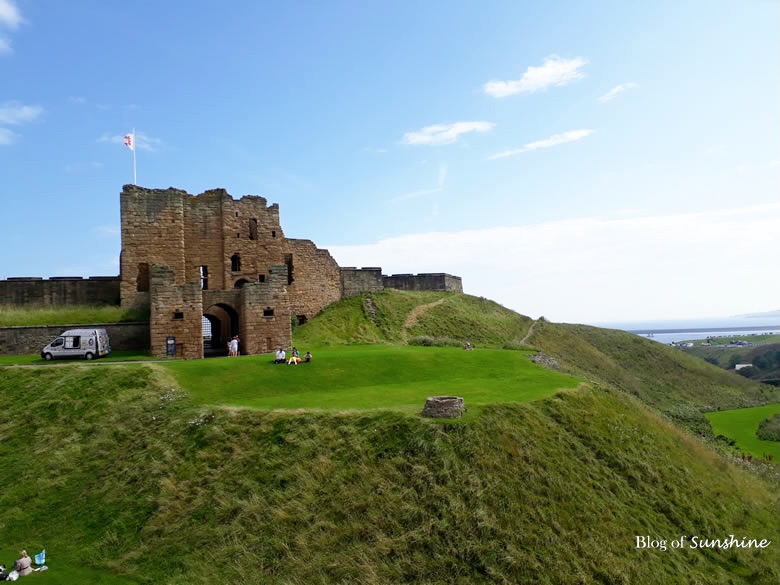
(220, 323)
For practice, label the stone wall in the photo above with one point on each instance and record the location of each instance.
(60, 290)
(314, 278)
(432, 281)
(355, 281)
(265, 314)
(152, 233)
(26, 340)
(176, 311)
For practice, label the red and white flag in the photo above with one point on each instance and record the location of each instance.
(130, 141)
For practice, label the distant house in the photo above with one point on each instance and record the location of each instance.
(740, 366)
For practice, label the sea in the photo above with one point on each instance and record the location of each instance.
(684, 330)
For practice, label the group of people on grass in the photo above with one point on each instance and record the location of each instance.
(281, 355)
(295, 357)
(23, 566)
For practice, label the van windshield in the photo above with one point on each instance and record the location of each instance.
(57, 342)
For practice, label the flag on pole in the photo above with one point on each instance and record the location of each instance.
(130, 141)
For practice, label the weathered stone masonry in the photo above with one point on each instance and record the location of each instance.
(60, 290)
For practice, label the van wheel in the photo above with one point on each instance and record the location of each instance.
(89, 356)
(48, 357)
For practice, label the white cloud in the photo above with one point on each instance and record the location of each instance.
(142, 141)
(74, 99)
(554, 71)
(554, 140)
(442, 180)
(16, 113)
(445, 133)
(616, 90)
(596, 269)
(6, 137)
(10, 17)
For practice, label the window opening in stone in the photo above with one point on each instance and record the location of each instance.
(268, 312)
(301, 319)
(253, 229)
(142, 278)
(273, 233)
(235, 263)
(178, 315)
(238, 235)
(261, 278)
(288, 259)
(204, 277)
(240, 283)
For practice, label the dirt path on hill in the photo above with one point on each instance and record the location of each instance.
(529, 334)
(415, 314)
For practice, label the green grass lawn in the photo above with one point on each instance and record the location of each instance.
(69, 315)
(366, 377)
(741, 425)
(37, 360)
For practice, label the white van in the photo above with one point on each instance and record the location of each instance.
(78, 343)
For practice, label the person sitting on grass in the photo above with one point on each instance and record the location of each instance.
(295, 357)
(24, 564)
(307, 357)
(281, 356)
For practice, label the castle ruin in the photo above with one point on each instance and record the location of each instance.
(210, 261)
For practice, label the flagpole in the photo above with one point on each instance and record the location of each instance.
(135, 180)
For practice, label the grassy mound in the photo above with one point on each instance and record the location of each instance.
(121, 476)
(394, 316)
(362, 377)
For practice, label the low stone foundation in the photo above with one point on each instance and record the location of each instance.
(444, 407)
(25, 340)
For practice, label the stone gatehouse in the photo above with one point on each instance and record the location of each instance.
(210, 262)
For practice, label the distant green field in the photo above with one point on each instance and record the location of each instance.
(366, 377)
(741, 425)
(13, 316)
(754, 339)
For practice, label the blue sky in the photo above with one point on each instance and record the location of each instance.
(585, 161)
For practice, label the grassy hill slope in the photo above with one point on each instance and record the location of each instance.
(382, 318)
(117, 473)
(679, 385)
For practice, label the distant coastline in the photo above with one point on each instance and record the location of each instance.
(767, 328)
(673, 331)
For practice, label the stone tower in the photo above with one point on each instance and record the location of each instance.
(209, 256)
